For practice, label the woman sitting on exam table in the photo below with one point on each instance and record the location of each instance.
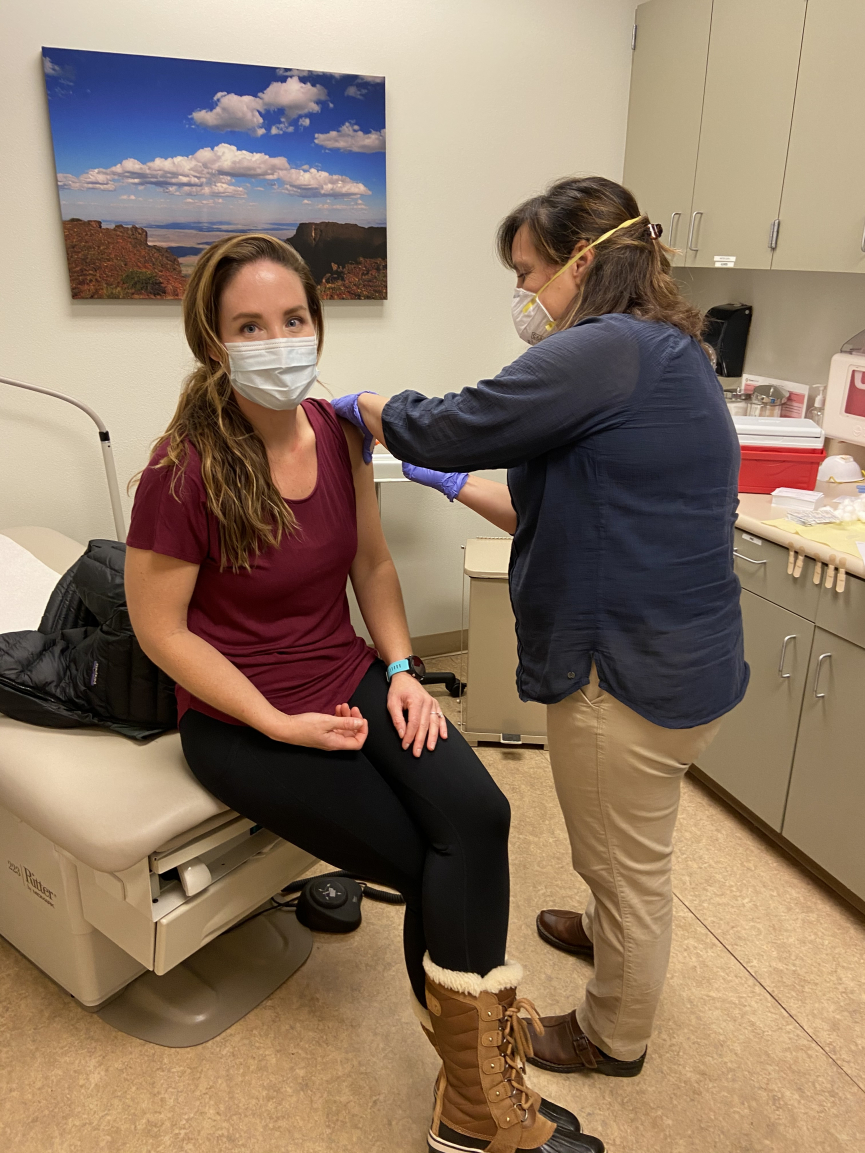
(621, 497)
(254, 510)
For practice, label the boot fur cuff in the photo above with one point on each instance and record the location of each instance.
(506, 976)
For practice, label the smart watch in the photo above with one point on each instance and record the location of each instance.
(412, 665)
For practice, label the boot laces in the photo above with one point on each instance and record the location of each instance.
(516, 1047)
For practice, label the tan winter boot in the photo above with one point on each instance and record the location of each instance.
(482, 1101)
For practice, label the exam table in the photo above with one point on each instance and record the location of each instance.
(121, 874)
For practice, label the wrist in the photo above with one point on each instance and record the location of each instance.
(278, 725)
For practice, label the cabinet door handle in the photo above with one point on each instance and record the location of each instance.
(862, 245)
(691, 232)
(674, 224)
(749, 559)
(823, 657)
(785, 676)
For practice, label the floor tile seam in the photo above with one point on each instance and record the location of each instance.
(769, 993)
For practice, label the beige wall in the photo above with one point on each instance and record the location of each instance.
(487, 100)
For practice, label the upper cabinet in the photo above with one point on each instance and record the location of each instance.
(743, 131)
(667, 82)
(823, 205)
(747, 109)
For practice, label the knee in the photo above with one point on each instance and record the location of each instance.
(487, 815)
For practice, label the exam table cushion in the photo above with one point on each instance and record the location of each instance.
(106, 800)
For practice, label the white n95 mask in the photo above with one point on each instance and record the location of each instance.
(531, 319)
(276, 374)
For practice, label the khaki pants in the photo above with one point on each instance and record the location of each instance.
(618, 779)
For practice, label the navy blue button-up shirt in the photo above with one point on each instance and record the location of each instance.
(622, 467)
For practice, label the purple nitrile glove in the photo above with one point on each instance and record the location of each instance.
(346, 407)
(450, 483)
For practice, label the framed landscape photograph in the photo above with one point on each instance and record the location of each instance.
(157, 158)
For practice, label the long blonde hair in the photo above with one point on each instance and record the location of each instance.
(631, 271)
(241, 494)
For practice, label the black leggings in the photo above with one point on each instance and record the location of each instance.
(434, 827)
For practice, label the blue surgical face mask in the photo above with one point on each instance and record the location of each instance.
(276, 374)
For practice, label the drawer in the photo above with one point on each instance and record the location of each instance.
(761, 566)
(844, 613)
(222, 904)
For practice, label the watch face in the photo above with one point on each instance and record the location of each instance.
(416, 667)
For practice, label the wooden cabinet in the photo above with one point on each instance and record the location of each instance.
(823, 203)
(667, 81)
(747, 110)
(752, 754)
(825, 815)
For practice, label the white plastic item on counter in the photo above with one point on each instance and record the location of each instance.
(780, 433)
(798, 498)
(840, 469)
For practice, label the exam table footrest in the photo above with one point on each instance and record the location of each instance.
(215, 987)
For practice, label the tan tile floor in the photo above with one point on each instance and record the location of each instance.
(759, 1046)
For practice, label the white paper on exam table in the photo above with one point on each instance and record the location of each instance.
(27, 585)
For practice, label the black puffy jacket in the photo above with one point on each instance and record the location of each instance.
(83, 666)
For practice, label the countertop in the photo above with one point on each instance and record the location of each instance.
(755, 508)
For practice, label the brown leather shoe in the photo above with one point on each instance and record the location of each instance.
(564, 930)
(563, 1047)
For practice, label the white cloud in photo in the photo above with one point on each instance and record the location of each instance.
(304, 122)
(356, 91)
(232, 113)
(131, 197)
(278, 129)
(350, 138)
(293, 97)
(51, 69)
(213, 172)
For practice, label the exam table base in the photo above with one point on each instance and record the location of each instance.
(215, 987)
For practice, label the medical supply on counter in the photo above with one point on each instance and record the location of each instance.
(778, 453)
(821, 516)
(800, 397)
(845, 396)
(840, 470)
(767, 400)
(798, 498)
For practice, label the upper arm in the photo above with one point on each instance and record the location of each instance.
(371, 545)
(158, 591)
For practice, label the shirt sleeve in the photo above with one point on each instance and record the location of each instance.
(172, 523)
(556, 393)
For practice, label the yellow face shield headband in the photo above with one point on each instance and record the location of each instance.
(534, 300)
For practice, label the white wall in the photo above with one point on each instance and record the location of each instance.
(487, 101)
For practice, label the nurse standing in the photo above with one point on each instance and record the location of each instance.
(621, 496)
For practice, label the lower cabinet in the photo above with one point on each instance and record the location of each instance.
(752, 754)
(825, 815)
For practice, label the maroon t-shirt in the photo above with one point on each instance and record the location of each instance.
(285, 624)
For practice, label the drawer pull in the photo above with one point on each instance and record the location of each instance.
(841, 579)
(749, 559)
(823, 657)
(785, 676)
(694, 247)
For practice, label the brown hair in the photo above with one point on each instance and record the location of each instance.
(631, 269)
(234, 467)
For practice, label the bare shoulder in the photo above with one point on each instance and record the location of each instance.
(354, 440)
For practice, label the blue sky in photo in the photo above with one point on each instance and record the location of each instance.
(152, 140)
